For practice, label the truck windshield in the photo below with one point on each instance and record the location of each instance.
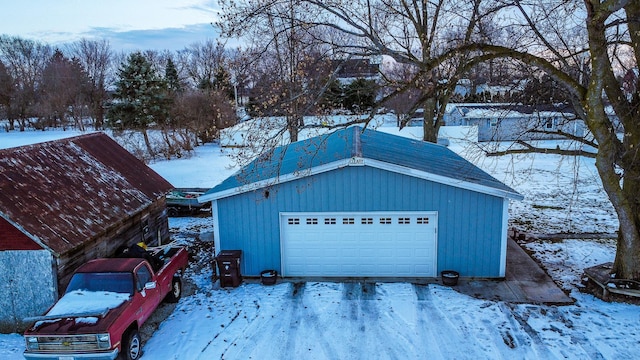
(118, 282)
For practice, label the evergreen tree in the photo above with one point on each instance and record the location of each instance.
(333, 97)
(140, 97)
(360, 95)
(174, 85)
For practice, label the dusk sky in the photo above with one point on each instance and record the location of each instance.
(127, 24)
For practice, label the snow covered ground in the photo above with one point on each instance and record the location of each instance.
(400, 320)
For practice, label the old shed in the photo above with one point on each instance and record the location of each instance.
(362, 203)
(63, 203)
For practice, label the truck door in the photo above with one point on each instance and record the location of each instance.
(148, 290)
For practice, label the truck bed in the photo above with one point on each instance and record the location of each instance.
(185, 201)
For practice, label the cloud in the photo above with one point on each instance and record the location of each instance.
(159, 24)
(157, 39)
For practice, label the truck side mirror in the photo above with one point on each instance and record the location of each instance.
(150, 285)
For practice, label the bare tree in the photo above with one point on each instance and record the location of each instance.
(201, 61)
(63, 92)
(558, 37)
(25, 61)
(6, 89)
(204, 112)
(290, 66)
(96, 57)
(412, 32)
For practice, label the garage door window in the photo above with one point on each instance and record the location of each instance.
(312, 221)
(348, 221)
(385, 220)
(293, 221)
(367, 221)
(404, 220)
(330, 221)
(422, 220)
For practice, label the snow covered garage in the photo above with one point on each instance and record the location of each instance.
(361, 203)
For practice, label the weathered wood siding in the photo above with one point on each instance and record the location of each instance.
(150, 225)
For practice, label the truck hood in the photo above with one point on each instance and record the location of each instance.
(81, 312)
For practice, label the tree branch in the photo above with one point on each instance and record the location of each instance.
(530, 149)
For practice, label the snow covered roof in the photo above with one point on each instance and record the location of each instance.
(63, 193)
(505, 110)
(355, 146)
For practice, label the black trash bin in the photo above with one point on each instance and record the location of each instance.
(229, 268)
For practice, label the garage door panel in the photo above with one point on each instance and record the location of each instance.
(359, 244)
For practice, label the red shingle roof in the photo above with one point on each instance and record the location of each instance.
(66, 192)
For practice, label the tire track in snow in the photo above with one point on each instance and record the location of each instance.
(279, 332)
(297, 294)
(438, 327)
(363, 321)
(373, 327)
(304, 316)
(577, 337)
(220, 332)
(534, 341)
(264, 329)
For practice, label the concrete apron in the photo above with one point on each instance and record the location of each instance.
(524, 282)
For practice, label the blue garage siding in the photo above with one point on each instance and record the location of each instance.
(469, 229)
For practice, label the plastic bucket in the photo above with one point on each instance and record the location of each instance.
(268, 277)
(449, 277)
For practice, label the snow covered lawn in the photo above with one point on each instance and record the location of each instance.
(401, 320)
(320, 320)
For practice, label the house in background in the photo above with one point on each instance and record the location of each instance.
(352, 69)
(63, 203)
(362, 203)
(508, 122)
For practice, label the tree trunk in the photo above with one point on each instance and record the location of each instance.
(145, 135)
(429, 126)
(99, 114)
(293, 126)
(627, 261)
(615, 160)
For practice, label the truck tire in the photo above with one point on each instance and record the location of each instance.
(173, 212)
(131, 346)
(176, 290)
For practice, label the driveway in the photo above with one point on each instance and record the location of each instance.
(321, 320)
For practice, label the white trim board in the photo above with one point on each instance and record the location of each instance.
(356, 161)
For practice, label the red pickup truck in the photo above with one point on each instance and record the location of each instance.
(105, 304)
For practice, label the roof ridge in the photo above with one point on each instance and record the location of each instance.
(53, 142)
(356, 150)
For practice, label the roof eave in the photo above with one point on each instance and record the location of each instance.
(357, 161)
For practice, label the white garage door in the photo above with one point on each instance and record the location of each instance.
(359, 244)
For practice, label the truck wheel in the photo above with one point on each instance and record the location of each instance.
(176, 290)
(131, 347)
(173, 212)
